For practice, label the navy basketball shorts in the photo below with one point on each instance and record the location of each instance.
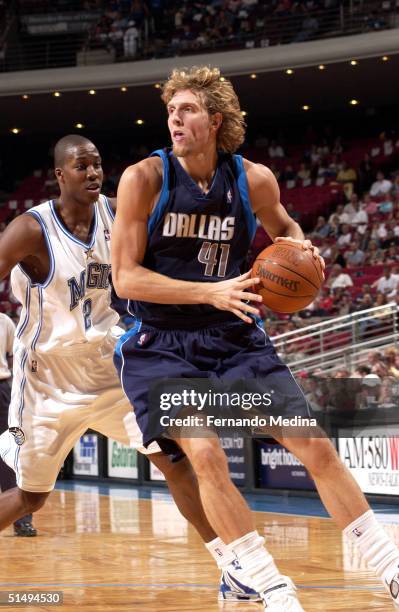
(231, 351)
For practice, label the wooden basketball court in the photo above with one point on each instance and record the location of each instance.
(119, 552)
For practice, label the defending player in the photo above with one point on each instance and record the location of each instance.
(64, 378)
(184, 225)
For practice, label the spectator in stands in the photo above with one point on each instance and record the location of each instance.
(381, 185)
(342, 215)
(386, 204)
(352, 206)
(334, 224)
(389, 240)
(310, 25)
(130, 40)
(288, 174)
(374, 254)
(361, 371)
(275, 150)
(332, 254)
(386, 283)
(364, 240)
(378, 231)
(346, 175)
(391, 356)
(345, 236)
(365, 302)
(333, 167)
(392, 255)
(338, 278)
(369, 205)
(322, 229)
(354, 256)
(303, 173)
(359, 218)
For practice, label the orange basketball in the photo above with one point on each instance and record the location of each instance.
(290, 278)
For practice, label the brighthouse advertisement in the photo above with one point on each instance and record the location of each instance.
(373, 459)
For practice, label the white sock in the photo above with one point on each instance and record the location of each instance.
(257, 563)
(375, 546)
(219, 551)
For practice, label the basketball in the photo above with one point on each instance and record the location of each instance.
(290, 277)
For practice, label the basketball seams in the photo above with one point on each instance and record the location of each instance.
(275, 263)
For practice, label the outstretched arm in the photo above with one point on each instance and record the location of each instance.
(138, 190)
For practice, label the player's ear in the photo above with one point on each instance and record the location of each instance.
(59, 174)
(216, 120)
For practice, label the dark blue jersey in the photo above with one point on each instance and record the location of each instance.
(199, 237)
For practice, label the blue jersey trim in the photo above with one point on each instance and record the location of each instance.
(109, 207)
(164, 195)
(39, 329)
(242, 184)
(131, 332)
(46, 236)
(22, 326)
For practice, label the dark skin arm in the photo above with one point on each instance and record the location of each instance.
(22, 242)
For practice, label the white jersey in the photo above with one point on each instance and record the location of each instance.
(71, 309)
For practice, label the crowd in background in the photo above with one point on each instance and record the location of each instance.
(155, 28)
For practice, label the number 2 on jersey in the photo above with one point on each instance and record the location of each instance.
(210, 256)
(87, 313)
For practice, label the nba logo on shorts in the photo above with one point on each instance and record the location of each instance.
(34, 366)
(107, 234)
(142, 340)
(18, 434)
(229, 197)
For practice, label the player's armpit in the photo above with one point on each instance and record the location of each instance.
(21, 239)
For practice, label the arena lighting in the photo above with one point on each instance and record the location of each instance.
(244, 113)
(289, 71)
(222, 79)
(92, 92)
(354, 62)
(25, 97)
(139, 121)
(253, 76)
(123, 89)
(15, 130)
(305, 107)
(79, 126)
(322, 67)
(354, 102)
(157, 85)
(57, 94)
(385, 58)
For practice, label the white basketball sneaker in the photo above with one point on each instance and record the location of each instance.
(282, 597)
(233, 588)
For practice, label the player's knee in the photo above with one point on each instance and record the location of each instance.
(209, 461)
(321, 457)
(32, 502)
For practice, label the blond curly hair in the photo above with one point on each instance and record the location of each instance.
(217, 95)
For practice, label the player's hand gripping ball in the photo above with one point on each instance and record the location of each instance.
(290, 276)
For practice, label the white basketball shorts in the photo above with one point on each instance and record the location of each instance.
(54, 400)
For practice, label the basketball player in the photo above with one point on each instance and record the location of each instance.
(23, 526)
(184, 224)
(64, 378)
